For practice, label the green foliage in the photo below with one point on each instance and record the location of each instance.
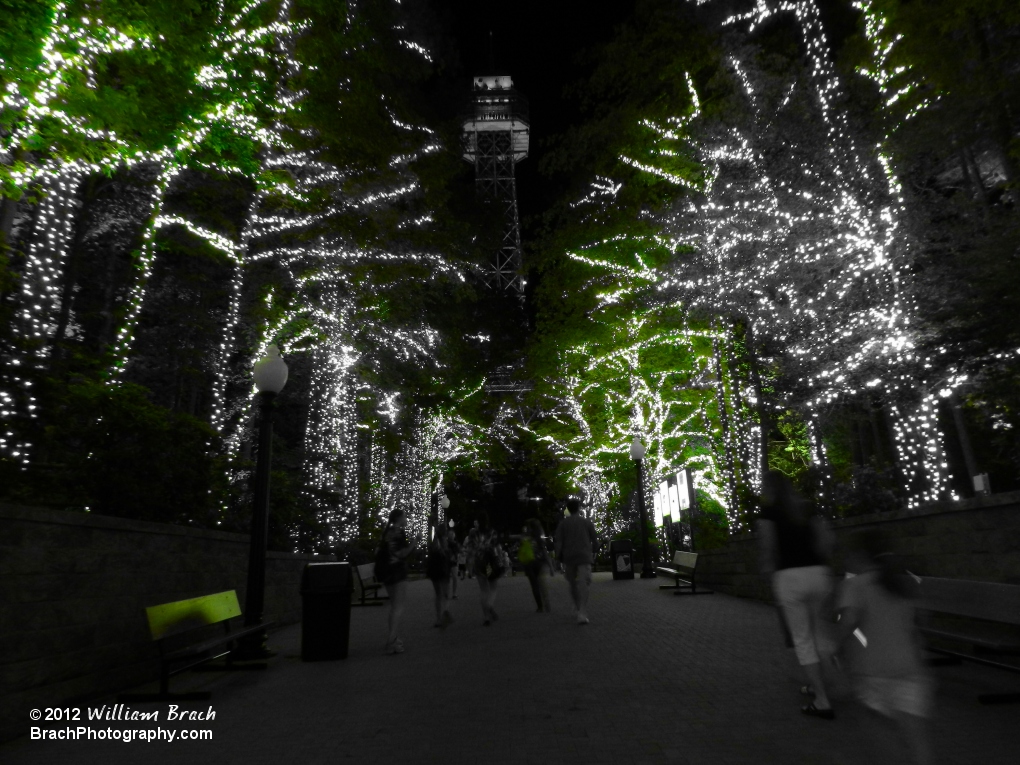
(710, 526)
(25, 22)
(867, 492)
(609, 352)
(112, 452)
(790, 454)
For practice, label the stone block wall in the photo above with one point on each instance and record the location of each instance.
(975, 539)
(73, 589)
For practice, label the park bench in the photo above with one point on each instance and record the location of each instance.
(981, 616)
(682, 571)
(364, 583)
(181, 630)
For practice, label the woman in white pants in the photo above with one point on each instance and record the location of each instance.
(795, 549)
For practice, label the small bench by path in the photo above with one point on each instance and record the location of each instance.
(365, 583)
(683, 571)
(995, 635)
(179, 629)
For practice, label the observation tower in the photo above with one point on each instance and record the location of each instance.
(495, 138)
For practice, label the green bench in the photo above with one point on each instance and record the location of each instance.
(683, 571)
(181, 629)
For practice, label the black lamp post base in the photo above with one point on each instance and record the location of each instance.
(647, 573)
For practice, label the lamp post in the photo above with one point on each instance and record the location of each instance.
(444, 502)
(637, 453)
(270, 376)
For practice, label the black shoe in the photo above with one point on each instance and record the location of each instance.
(812, 711)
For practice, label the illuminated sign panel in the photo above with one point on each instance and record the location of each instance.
(664, 499)
(674, 503)
(683, 490)
(657, 502)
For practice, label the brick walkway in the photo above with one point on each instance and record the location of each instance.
(654, 679)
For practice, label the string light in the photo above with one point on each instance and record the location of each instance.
(813, 262)
(327, 301)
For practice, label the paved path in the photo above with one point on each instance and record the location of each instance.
(653, 679)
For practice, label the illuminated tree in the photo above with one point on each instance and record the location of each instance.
(944, 104)
(751, 199)
(272, 190)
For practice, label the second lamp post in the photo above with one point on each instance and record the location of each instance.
(637, 453)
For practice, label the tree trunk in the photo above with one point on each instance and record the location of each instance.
(876, 439)
(764, 419)
(826, 470)
(862, 439)
(964, 438)
(1002, 122)
(973, 173)
(70, 276)
(8, 212)
(9, 209)
(895, 461)
(724, 424)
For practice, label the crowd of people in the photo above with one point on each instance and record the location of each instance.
(481, 557)
(867, 621)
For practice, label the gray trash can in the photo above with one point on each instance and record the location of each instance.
(325, 611)
(621, 551)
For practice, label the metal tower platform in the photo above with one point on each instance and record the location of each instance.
(496, 131)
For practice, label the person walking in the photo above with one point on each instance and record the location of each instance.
(471, 551)
(876, 608)
(488, 568)
(535, 559)
(454, 550)
(462, 553)
(575, 543)
(391, 558)
(437, 568)
(795, 548)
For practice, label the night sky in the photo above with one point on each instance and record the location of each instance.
(537, 43)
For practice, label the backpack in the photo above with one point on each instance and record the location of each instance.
(526, 553)
(492, 566)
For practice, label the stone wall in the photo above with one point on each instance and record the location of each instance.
(73, 589)
(971, 539)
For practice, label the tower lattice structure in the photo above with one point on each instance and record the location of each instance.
(496, 130)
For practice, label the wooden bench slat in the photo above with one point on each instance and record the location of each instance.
(685, 559)
(362, 576)
(208, 645)
(995, 605)
(184, 615)
(992, 644)
(978, 600)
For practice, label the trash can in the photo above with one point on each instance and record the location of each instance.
(621, 551)
(325, 611)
